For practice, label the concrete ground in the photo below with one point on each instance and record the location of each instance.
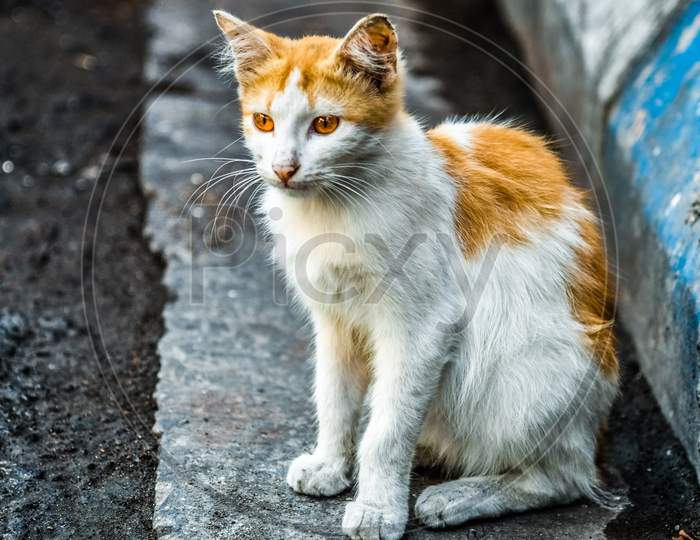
(75, 456)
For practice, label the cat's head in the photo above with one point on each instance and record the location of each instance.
(311, 107)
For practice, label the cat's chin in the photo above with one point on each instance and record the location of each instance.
(298, 190)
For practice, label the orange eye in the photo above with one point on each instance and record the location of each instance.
(263, 122)
(325, 124)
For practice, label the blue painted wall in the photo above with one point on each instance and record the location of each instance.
(652, 165)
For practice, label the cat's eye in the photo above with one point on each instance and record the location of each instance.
(263, 122)
(325, 124)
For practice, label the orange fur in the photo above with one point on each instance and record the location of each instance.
(592, 296)
(499, 184)
(509, 181)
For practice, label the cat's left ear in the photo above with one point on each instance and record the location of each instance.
(371, 49)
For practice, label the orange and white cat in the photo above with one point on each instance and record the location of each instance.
(455, 279)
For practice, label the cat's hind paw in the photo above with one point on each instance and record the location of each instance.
(312, 475)
(453, 503)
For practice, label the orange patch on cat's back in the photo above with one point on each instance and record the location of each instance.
(507, 180)
(508, 183)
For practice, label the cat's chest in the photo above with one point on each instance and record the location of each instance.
(327, 265)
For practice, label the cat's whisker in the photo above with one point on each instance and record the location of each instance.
(228, 104)
(251, 199)
(221, 179)
(229, 145)
(230, 193)
(363, 181)
(198, 194)
(235, 201)
(360, 179)
(364, 171)
(377, 177)
(235, 173)
(204, 187)
(327, 195)
(357, 179)
(223, 198)
(345, 182)
(233, 191)
(379, 141)
(340, 194)
(233, 187)
(214, 158)
(201, 191)
(361, 166)
(360, 196)
(333, 197)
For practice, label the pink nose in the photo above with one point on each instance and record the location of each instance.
(285, 172)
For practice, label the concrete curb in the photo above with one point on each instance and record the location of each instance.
(636, 97)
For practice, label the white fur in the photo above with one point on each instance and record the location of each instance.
(475, 361)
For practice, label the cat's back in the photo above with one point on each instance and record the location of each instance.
(511, 189)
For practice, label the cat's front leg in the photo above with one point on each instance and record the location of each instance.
(406, 374)
(340, 383)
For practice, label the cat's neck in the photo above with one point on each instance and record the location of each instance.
(403, 147)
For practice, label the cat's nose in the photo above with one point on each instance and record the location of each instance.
(286, 171)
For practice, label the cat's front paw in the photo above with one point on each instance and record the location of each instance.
(364, 521)
(313, 475)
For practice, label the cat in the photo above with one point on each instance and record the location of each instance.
(455, 278)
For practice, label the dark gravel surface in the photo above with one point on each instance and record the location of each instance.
(663, 487)
(76, 456)
(75, 461)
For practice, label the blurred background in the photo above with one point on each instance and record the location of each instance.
(109, 428)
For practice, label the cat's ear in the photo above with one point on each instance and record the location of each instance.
(249, 46)
(371, 49)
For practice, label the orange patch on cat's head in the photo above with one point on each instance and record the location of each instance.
(360, 73)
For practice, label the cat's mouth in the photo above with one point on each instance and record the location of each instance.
(297, 188)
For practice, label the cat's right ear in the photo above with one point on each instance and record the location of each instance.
(370, 48)
(249, 46)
